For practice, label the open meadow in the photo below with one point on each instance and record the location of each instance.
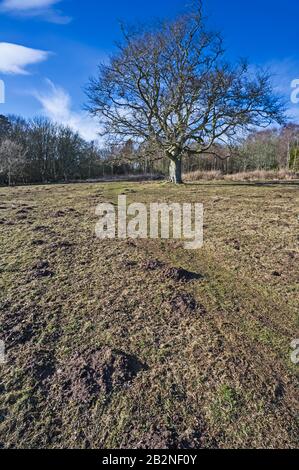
(141, 343)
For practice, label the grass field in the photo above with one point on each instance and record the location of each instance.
(106, 349)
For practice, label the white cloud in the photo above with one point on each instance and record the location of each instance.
(15, 58)
(35, 8)
(26, 4)
(57, 106)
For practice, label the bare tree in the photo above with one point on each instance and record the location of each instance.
(12, 158)
(170, 85)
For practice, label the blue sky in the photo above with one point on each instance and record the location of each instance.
(64, 40)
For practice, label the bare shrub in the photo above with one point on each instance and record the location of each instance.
(257, 175)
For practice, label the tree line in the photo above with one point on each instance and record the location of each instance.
(266, 150)
(40, 151)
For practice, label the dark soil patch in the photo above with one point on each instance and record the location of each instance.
(42, 365)
(161, 437)
(58, 214)
(158, 438)
(185, 303)
(62, 213)
(152, 265)
(41, 270)
(176, 274)
(128, 264)
(85, 376)
(41, 228)
(71, 210)
(236, 244)
(278, 392)
(24, 211)
(42, 273)
(131, 243)
(41, 265)
(37, 242)
(44, 230)
(181, 275)
(20, 325)
(20, 334)
(62, 245)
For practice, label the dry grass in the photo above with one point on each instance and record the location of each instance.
(215, 351)
(258, 175)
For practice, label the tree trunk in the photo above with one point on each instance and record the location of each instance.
(175, 171)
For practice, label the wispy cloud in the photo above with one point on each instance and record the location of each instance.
(35, 8)
(57, 106)
(15, 58)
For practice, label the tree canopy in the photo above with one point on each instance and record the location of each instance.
(170, 86)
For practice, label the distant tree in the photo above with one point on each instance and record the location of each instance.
(69, 146)
(5, 127)
(260, 151)
(288, 146)
(11, 159)
(170, 85)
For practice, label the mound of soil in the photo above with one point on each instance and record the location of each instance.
(21, 217)
(185, 303)
(20, 324)
(40, 270)
(42, 365)
(58, 214)
(63, 245)
(181, 275)
(236, 244)
(152, 265)
(20, 334)
(24, 211)
(129, 264)
(37, 242)
(43, 264)
(158, 438)
(41, 228)
(163, 438)
(87, 375)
